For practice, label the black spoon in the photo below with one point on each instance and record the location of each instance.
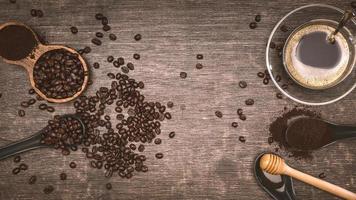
(279, 187)
(32, 142)
(310, 133)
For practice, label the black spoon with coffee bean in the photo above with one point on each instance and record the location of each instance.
(310, 133)
(61, 133)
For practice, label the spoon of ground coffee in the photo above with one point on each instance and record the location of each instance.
(62, 132)
(57, 73)
(310, 133)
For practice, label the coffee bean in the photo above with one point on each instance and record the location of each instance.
(125, 69)
(23, 166)
(24, 104)
(171, 134)
(72, 165)
(42, 106)
(32, 180)
(168, 115)
(257, 18)
(234, 124)
(121, 61)
(99, 16)
(65, 152)
(108, 186)
(17, 159)
(199, 66)
(63, 176)
(31, 91)
(242, 139)
(141, 148)
(261, 74)
(138, 37)
(96, 65)
(96, 41)
(322, 175)
(199, 56)
(50, 109)
(239, 111)
(110, 58)
(16, 170)
(104, 21)
(112, 37)
(74, 30)
(48, 189)
(39, 13)
(270, 140)
(249, 102)
(132, 147)
(265, 81)
(21, 113)
(33, 13)
(253, 25)
(279, 95)
(159, 155)
(130, 66)
(353, 4)
(242, 117)
(242, 84)
(31, 101)
(87, 50)
(136, 56)
(284, 28)
(170, 104)
(116, 64)
(99, 34)
(158, 141)
(272, 45)
(106, 28)
(183, 75)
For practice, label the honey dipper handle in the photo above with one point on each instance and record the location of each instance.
(318, 183)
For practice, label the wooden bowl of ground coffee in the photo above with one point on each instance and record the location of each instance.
(57, 73)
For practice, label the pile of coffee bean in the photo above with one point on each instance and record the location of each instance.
(59, 74)
(63, 132)
(253, 25)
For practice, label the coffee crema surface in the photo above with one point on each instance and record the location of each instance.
(312, 61)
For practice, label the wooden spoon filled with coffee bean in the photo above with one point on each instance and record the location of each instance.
(62, 132)
(57, 73)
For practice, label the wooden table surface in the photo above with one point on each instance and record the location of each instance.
(205, 160)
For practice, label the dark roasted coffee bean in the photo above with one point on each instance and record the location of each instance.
(130, 66)
(99, 34)
(279, 95)
(96, 41)
(257, 18)
(132, 147)
(99, 16)
(74, 30)
(199, 56)
(261, 74)
(21, 113)
(253, 25)
(87, 50)
(270, 140)
(199, 66)
(249, 102)
(121, 61)
(112, 37)
(104, 21)
(322, 175)
(168, 115)
(141, 148)
(48, 189)
(284, 28)
(32, 180)
(239, 111)
(108, 186)
(65, 152)
(31, 101)
(218, 114)
(159, 155)
(125, 69)
(110, 58)
(265, 81)
(242, 84)
(23, 166)
(171, 134)
(170, 104)
(72, 165)
(138, 37)
(106, 28)
(31, 91)
(111, 75)
(33, 13)
(63, 176)
(16, 170)
(234, 124)
(136, 56)
(96, 65)
(50, 109)
(158, 141)
(39, 13)
(242, 117)
(17, 159)
(24, 104)
(183, 75)
(242, 139)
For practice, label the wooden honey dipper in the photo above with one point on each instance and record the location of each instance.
(275, 165)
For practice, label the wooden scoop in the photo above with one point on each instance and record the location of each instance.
(29, 62)
(275, 165)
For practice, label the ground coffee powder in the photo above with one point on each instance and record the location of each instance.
(16, 42)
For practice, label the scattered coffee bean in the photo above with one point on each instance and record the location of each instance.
(17, 159)
(21, 113)
(39, 13)
(130, 66)
(158, 141)
(136, 56)
(265, 81)
(31, 91)
(74, 30)
(16, 170)
(159, 155)
(183, 75)
(32, 180)
(99, 16)
(108, 186)
(249, 102)
(170, 104)
(261, 74)
(24, 104)
(72, 165)
(96, 41)
(31, 101)
(171, 134)
(132, 147)
(96, 65)
(242, 117)
(106, 28)
(253, 25)
(199, 66)
(141, 148)
(138, 37)
(33, 13)
(63, 176)
(239, 111)
(322, 175)
(279, 95)
(42, 106)
(218, 114)
(104, 21)
(242, 139)
(110, 58)
(284, 28)
(23, 166)
(99, 34)
(48, 189)
(87, 50)
(199, 56)
(257, 18)
(125, 69)
(50, 109)
(234, 124)
(242, 84)
(112, 37)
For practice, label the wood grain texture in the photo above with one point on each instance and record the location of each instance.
(205, 160)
